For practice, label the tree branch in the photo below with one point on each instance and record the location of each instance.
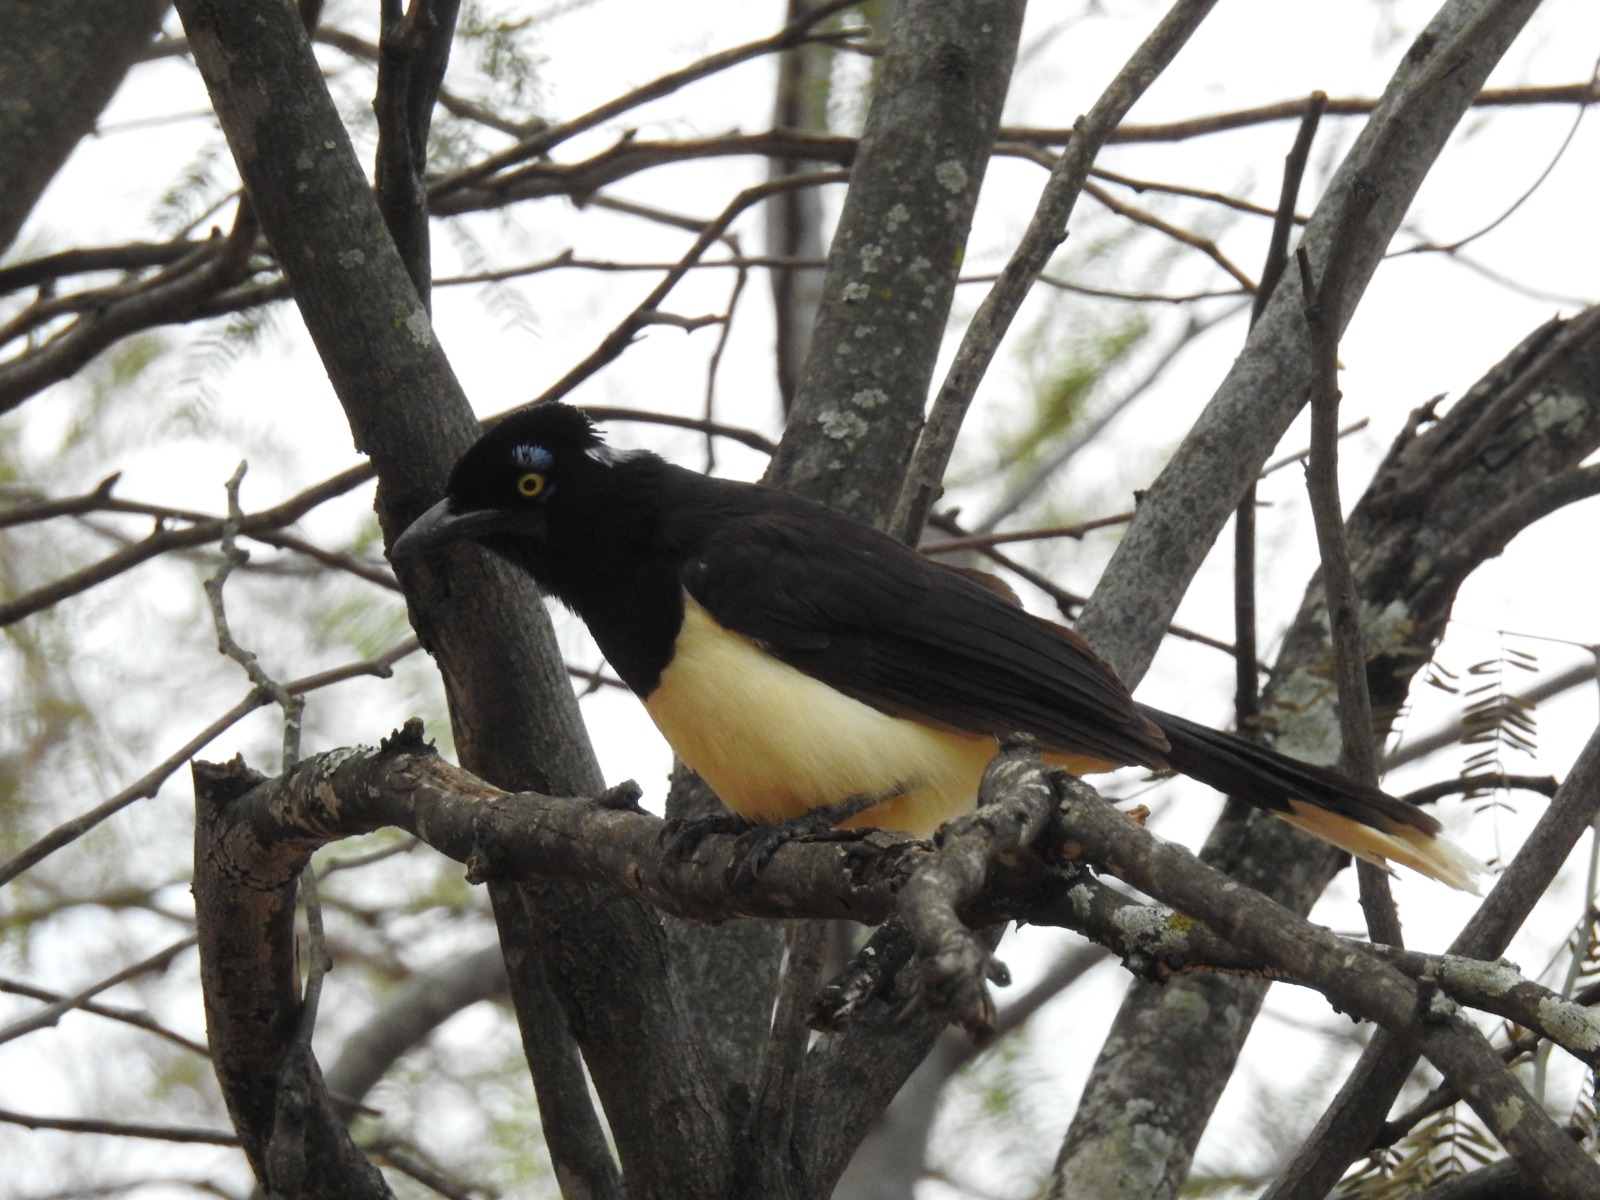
(1188, 504)
(1045, 232)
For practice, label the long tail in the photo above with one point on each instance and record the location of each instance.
(1362, 820)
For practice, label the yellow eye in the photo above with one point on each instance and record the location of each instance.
(531, 484)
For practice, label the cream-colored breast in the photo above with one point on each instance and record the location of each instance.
(774, 743)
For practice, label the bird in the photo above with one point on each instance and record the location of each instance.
(803, 662)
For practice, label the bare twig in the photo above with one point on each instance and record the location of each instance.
(1290, 110)
(1067, 601)
(1194, 240)
(212, 266)
(160, 1133)
(144, 788)
(293, 705)
(545, 140)
(390, 1154)
(163, 540)
(618, 340)
(1359, 756)
(1545, 785)
(716, 361)
(1506, 213)
(1174, 189)
(127, 1016)
(1247, 681)
(983, 540)
(53, 1012)
(745, 437)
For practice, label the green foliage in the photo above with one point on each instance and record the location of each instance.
(42, 710)
(217, 348)
(358, 618)
(105, 389)
(1447, 1144)
(199, 189)
(497, 40)
(996, 1103)
(499, 297)
(1069, 357)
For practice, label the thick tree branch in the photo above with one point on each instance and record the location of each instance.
(1153, 1047)
(1351, 1123)
(255, 838)
(60, 63)
(1354, 982)
(412, 57)
(1188, 504)
(986, 868)
(895, 256)
(512, 706)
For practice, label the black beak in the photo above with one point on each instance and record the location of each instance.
(445, 523)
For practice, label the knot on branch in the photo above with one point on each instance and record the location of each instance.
(408, 739)
(219, 783)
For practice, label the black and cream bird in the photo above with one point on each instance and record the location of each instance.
(799, 659)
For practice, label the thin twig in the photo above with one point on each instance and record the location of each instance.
(163, 540)
(1174, 189)
(293, 706)
(1069, 602)
(111, 1012)
(1247, 680)
(1544, 785)
(389, 1153)
(1505, 214)
(1359, 756)
(983, 540)
(1289, 110)
(618, 340)
(547, 139)
(160, 1133)
(144, 788)
(52, 1013)
(1178, 234)
(726, 331)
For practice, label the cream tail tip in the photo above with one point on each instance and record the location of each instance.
(1430, 854)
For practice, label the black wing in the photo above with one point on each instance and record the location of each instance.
(857, 610)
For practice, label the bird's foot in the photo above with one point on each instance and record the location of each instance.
(682, 835)
(761, 842)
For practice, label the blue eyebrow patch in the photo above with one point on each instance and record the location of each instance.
(535, 457)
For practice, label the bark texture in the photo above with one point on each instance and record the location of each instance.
(892, 266)
(60, 63)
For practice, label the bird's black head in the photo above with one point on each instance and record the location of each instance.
(539, 475)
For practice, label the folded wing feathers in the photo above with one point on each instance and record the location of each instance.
(939, 645)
